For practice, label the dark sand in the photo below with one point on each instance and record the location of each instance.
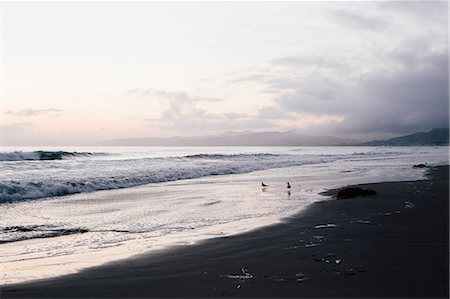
(393, 244)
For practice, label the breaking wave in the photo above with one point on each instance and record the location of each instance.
(27, 181)
(106, 175)
(43, 155)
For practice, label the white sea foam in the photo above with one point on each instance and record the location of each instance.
(23, 180)
(25, 175)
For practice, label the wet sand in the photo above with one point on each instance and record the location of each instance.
(393, 244)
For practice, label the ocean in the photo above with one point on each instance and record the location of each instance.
(67, 208)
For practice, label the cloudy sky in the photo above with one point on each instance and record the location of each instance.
(79, 72)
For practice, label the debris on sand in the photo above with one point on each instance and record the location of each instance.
(409, 205)
(301, 277)
(245, 274)
(328, 225)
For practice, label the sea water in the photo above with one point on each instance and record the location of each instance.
(65, 209)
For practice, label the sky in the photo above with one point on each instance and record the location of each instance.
(82, 72)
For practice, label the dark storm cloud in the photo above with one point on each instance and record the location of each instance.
(411, 99)
(413, 96)
(405, 90)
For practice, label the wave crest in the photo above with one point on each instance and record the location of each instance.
(43, 155)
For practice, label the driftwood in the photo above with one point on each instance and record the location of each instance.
(350, 192)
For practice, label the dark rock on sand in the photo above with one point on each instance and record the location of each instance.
(350, 192)
(420, 166)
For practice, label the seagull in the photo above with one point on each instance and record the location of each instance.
(264, 185)
(288, 185)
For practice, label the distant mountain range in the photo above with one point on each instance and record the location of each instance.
(438, 136)
(245, 138)
(289, 138)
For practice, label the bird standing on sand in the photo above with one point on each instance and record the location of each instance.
(264, 185)
(288, 185)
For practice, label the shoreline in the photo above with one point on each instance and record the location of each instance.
(393, 244)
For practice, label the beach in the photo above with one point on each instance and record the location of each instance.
(153, 149)
(392, 244)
